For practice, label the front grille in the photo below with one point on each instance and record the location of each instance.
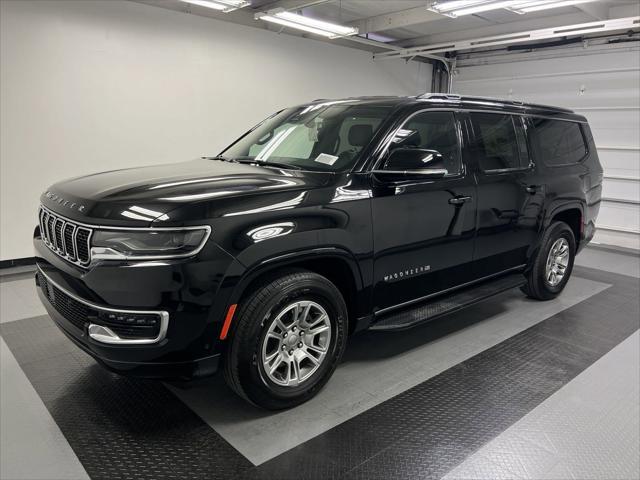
(128, 326)
(65, 238)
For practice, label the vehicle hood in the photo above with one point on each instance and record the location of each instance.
(141, 195)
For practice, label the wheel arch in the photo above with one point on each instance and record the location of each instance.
(573, 215)
(336, 264)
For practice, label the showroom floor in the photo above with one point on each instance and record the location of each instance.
(511, 388)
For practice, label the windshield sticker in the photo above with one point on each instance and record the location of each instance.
(326, 159)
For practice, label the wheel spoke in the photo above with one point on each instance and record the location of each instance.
(271, 356)
(293, 373)
(311, 358)
(316, 348)
(276, 364)
(315, 331)
(321, 318)
(305, 315)
(281, 325)
(295, 311)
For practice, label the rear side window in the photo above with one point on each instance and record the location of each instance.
(557, 142)
(496, 143)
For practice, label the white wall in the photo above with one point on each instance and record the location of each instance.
(606, 89)
(96, 85)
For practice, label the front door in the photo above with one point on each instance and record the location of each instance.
(510, 193)
(423, 227)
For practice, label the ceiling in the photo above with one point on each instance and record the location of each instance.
(389, 24)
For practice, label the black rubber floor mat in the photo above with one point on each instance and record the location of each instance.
(118, 427)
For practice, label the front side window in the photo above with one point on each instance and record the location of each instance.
(432, 131)
(496, 144)
(330, 136)
(557, 142)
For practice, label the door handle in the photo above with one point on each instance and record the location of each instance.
(459, 200)
(532, 188)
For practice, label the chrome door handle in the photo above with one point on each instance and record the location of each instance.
(532, 189)
(459, 200)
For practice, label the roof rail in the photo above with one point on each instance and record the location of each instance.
(440, 96)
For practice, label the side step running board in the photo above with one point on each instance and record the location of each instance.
(444, 304)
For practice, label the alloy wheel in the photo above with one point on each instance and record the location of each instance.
(296, 343)
(557, 262)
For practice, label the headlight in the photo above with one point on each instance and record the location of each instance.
(147, 244)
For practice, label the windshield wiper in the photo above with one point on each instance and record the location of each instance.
(220, 157)
(269, 163)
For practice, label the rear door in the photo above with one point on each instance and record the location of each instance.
(424, 228)
(510, 191)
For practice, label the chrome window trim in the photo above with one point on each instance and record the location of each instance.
(99, 253)
(164, 318)
(387, 143)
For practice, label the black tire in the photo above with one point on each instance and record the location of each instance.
(537, 285)
(243, 369)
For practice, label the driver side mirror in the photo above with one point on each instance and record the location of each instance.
(405, 162)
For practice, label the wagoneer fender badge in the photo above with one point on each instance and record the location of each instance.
(409, 272)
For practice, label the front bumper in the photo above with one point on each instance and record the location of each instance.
(153, 369)
(177, 305)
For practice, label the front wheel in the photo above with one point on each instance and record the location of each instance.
(552, 265)
(289, 337)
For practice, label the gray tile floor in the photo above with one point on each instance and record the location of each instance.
(599, 406)
(588, 429)
(32, 445)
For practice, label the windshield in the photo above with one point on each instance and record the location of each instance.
(327, 136)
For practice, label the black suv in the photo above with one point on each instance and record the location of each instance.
(325, 219)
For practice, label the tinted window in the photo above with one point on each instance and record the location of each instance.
(496, 146)
(324, 136)
(433, 131)
(557, 142)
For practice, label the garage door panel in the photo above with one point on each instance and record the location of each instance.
(621, 189)
(624, 163)
(620, 216)
(617, 136)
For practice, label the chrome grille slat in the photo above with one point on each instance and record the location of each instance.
(50, 223)
(69, 239)
(65, 238)
(59, 227)
(41, 218)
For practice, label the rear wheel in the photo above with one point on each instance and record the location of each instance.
(289, 337)
(552, 265)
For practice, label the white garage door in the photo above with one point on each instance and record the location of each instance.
(605, 87)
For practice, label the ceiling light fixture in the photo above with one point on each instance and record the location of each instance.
(538, 6)
(458, 8)
(224, 6)
(311, 25)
